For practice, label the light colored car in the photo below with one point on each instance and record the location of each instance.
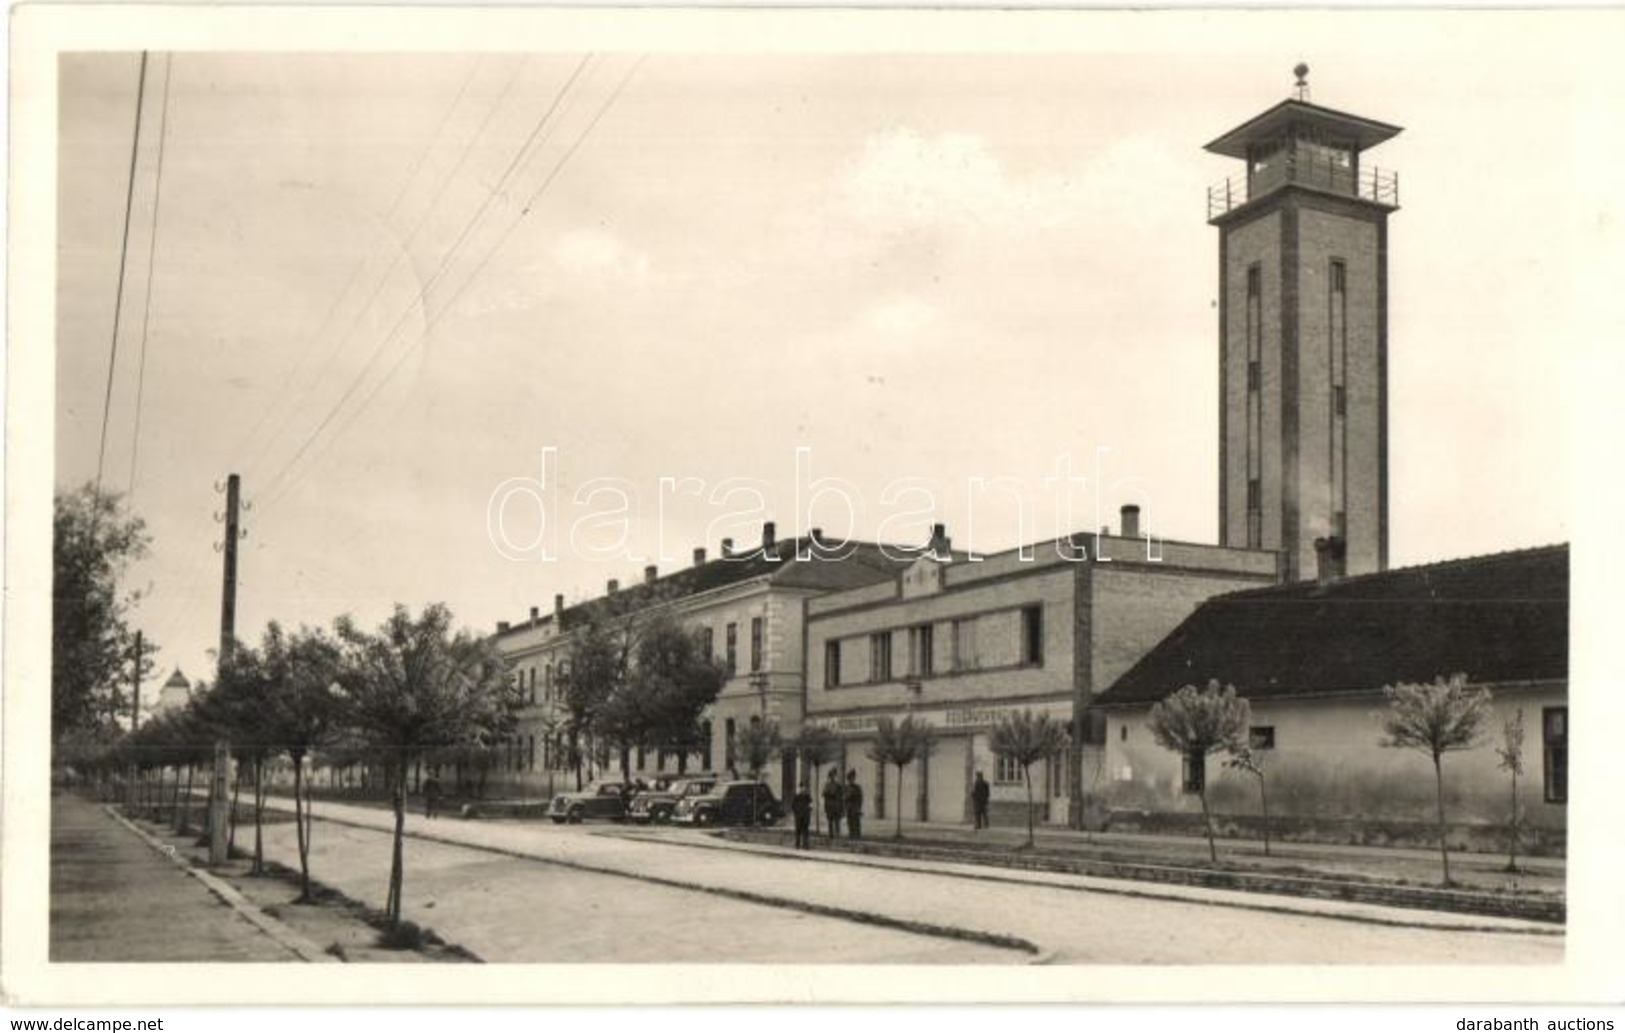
(599, 800)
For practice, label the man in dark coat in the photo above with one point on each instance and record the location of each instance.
(801, 806)
(431, 796)
(834, 802)
(979, 795)
(854, 806)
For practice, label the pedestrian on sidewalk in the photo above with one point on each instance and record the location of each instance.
(979, 796)
(431, 797)
(854, 806)
(802, 807)
(834, 802)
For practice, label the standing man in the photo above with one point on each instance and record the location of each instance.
(979, 795)
(854, 806)
(802, 807)
(834, 802)
(431, 796)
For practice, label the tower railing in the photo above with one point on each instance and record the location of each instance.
(1379, 186)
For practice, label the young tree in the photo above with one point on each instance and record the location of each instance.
(816, 745)
(900, 743)
(1249, 761)
(1195, 723)
(92, 648)
(1025, 739)
(235, 709)
(415, 685)
(755, 745)
(1511, 753)
(301, 670)
(1436, 719)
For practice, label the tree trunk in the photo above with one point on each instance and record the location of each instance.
(899, 833)
(299, 827)
(1207, 821)
(1512, 828)
(186, 808)
(231, 822)
(1027, 776)
(396, 866)
(1444, 848)
(1264, 805)
(259, 812)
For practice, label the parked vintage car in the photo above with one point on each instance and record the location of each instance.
(598, 800)
(730, 803)
(656, 806)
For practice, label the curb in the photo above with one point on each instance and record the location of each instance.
(1455, 902)
(303, 948)
(1001, 940)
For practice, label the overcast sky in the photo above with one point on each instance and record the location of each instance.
(935, 268)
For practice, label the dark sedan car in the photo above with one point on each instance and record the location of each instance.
(599, 800)
(656, 806)
(731, 803)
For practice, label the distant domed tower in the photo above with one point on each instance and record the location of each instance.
(175, 693)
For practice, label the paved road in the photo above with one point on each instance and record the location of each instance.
(1073, 919)
(113, 898)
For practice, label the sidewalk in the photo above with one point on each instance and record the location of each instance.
(115, 899)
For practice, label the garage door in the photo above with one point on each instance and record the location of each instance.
(947, 780)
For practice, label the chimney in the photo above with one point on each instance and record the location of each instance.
(1329, 554)
(1131, 521)
(650, 573)
(558, 609)
(613, 587)
(699, 555)
(727, 547)
(941, 545)
(535, 614)
(502, 627)
(767, 535)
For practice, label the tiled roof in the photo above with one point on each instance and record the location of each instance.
(832, 565)
(1497, 618)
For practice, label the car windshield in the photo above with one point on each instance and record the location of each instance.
(696, 788)
(609, 789)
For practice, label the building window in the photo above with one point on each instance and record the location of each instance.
(1255, 514)
(1006, 770)
(1032, 635)
(732, 660)
(965, 644)
(1254, 377)
(705, 739)
(708, 642)
(1194, 771)
(727, 744)
(756, 624)
(530, 753)
(832, 663)
(880, 657)
(1555, 735)
(1340, 401)
(1255, 280)
(1261, 737)
(1339, 278)
(920, 640)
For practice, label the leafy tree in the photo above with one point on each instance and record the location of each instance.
(300, 672)
(673, 680)
(1249, 761)
(1025, 739)
(1194, 723)
(1511, 761)
(816, 745)
(900, 743)
(235, 709)
(92, 648)
(1436, 719)
(413, 686)
(596, 673)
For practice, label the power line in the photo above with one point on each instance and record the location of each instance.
(400, 254)
(282, 480)
(124, 251)
(355, 273)
(152, 254)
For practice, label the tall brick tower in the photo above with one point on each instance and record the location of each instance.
(1303, 336)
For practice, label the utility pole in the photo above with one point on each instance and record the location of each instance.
(228, 597)
(135, 702)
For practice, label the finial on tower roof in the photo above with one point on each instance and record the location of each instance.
(1302, 85)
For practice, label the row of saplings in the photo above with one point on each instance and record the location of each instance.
(1435, 719)
(413, 689)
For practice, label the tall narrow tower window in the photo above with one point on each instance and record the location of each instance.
(1255, 403)
(1337, 411)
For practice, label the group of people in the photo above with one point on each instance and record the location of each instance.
(841, 800)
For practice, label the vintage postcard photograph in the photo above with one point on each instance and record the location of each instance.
(848, 506)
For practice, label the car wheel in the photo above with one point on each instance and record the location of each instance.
(557, 820)
(575, 815)
(704, 818)
(661, 816)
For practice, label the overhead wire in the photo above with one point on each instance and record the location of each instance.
(152, 257)
(280, 394)
(124, 252)
(283, 479)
